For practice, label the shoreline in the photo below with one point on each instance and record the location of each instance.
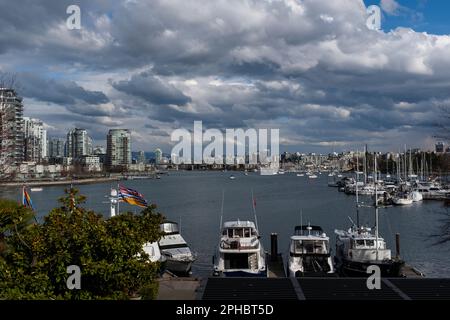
(62, 182)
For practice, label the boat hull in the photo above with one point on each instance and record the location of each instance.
(178, 266)
(391, 268)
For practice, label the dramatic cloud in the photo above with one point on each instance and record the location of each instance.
(308, 67)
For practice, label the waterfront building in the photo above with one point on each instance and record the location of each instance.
(78, 143)
(158, 156)
(118, 148)
(56, 147)
(11, 128)
(35, 140)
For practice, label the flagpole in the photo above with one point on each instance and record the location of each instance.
(118, 199)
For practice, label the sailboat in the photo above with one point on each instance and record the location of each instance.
(360, 247)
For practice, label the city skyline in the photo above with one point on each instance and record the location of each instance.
(310, 68)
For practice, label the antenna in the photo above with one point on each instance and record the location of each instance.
(254, 210)
(221, 209)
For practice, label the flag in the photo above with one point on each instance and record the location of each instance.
(26, 199)
(132, 197)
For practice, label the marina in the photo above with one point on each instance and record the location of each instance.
(196, 198)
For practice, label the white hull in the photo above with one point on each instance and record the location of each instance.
(402, 202)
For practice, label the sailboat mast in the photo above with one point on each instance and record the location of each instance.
(254, 211)
(357, 199)
(376, 205)
(221, 210)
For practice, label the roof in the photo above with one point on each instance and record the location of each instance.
(239, 224)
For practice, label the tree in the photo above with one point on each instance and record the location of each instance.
(109, 252)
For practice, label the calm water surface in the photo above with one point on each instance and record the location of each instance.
(195, 198)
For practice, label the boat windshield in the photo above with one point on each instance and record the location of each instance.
(309, 246)
(239, 232)
(368, 243)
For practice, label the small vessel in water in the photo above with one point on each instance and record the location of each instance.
(312, 176)
(240, 252)
(402, 199)
(232, 177)
(36, 189)
(177, 252)
(309, 253)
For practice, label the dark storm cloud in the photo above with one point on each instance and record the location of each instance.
(148, 87)
(60, 91)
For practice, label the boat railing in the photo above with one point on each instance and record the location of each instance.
(238, 244)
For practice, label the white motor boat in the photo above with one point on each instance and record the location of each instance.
(312, 176)
(309, 252)
(402, 199)
(177, 252)
(240, 253)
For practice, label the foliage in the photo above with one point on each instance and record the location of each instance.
(34, 257)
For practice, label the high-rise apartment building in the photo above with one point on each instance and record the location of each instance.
(118, 148)
(11, 128)
(35, 140)
(56, 148)
(78, 143)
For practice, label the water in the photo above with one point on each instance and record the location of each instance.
(194, 199)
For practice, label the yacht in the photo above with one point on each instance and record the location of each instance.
(358, 248)
(240, 252)
(309, 252)
(177, 252)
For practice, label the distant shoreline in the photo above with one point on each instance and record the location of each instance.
(61, 182)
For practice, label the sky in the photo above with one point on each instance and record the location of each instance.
(310, 68)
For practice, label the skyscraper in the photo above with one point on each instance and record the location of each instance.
(78, 143)
(35, 140)
(158, 156)
(11, 128)
(118, 148)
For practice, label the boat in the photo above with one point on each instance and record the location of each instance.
(268, 170)
(309, 253)
(177, 252)
(300, 174)
(232, 177)
(240, 253)
(36, 189)
(312, 176)
(359, 247)
(402, 199)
